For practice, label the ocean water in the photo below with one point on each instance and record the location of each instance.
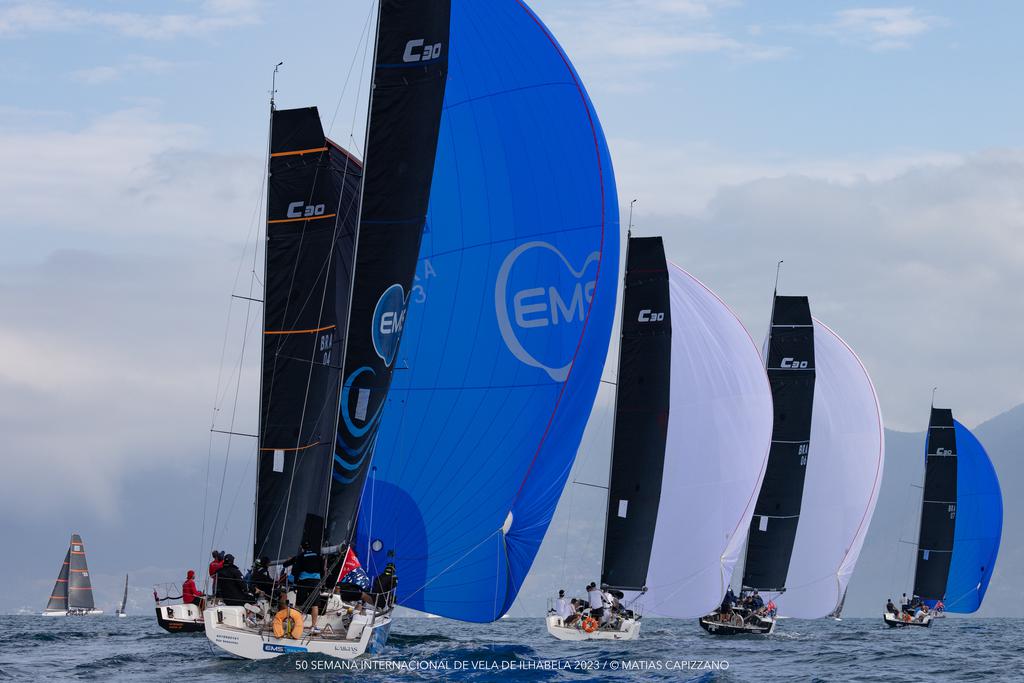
(136, 649)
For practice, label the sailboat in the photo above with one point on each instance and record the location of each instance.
(961, 523)
(341, 251)
(72, 593)
(124, 599)
(508, 325)
(693, 418)
(821, 485)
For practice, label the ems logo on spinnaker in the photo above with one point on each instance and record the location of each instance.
(388, 320)
(541, 299)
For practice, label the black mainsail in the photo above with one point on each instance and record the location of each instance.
(790, 366)
(641, 417)
(410, 69)
(938, 508)
(312, 205)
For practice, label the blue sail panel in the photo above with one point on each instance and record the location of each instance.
(508, 324)
(979, 525)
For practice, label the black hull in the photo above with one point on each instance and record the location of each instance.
(711, 624)
(175, 626)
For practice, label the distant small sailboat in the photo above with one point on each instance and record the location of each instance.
(693, 421)
(72, 593)
(124, 599)
(961, 524)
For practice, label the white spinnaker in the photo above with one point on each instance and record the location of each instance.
(719, 432)
(844, 472)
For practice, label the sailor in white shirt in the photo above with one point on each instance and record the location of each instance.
(596, 601)
(563, 608)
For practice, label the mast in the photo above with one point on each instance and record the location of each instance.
(263, 322)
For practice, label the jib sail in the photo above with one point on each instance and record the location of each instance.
(59, 595)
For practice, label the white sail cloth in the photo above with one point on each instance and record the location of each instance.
(844, 472)
(719, 432)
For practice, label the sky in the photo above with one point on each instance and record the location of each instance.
(875, 148)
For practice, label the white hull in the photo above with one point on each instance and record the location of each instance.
(628, 630)
(72, 613)
(226, 628)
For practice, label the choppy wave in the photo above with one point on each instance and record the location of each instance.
(136, 649)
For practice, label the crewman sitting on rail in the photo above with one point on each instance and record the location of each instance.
(891, 608)
(190, 595)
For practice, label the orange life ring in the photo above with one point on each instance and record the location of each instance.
(590, 624)
(285, 615)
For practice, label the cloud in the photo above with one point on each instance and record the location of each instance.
(123, 241)
(126, 173)
(98, 75)
(20, 18)
(918, 264)
(627, 41)
(880, 28)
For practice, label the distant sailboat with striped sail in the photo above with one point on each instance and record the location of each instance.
(72, 593)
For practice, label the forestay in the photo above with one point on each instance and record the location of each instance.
(841, 483)
(508, 323)
(719, 432)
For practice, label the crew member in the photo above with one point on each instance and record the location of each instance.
(230, 587)
(190, 595)
(308, 570)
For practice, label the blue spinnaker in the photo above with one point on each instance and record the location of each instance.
(508, 324)
(979, 524)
